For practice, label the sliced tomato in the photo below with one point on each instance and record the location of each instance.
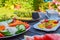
(56, 22)
(49, 27)
(46, 20)
(27, 26)
(1, 35)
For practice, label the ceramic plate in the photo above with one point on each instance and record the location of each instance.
(52, 29)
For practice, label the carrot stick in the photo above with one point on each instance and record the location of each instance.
(2, 27)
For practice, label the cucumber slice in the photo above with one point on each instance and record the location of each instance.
(21, 28)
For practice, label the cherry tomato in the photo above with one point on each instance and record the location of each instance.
(46, 20)
(55, 22)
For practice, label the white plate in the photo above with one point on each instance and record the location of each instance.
(52, 29)
(6, 25)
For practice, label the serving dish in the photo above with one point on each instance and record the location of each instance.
(36, 26)
(13, 28)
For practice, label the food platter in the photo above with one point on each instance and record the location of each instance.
(45, 29)
(11, 30)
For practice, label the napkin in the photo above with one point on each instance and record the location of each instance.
(42, 15)
(52, 14)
